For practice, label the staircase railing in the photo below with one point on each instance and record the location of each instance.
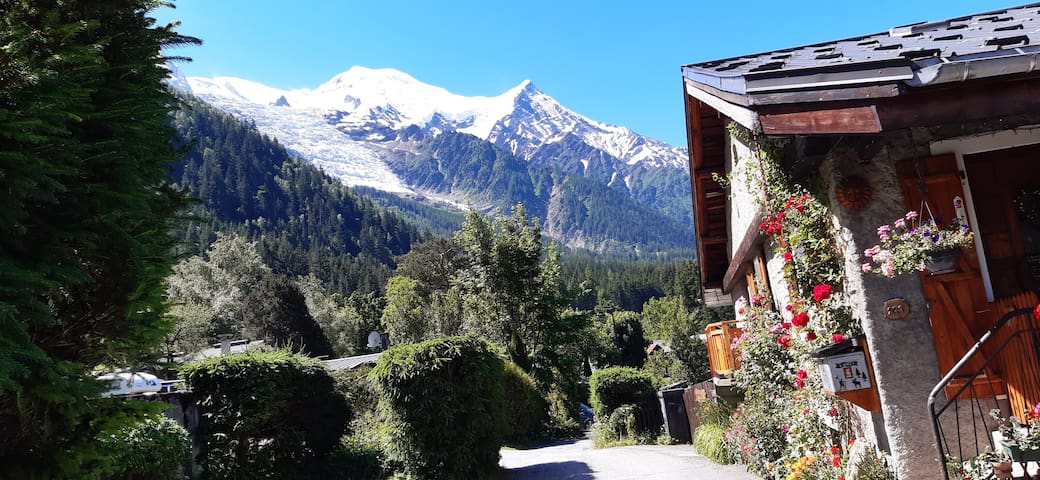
(1013, 351)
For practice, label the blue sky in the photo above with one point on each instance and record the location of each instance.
(616, 62)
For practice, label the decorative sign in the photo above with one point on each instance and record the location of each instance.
(896, 309)
(844, 372)
(961, 212)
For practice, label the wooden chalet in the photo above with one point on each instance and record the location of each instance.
(935, 111)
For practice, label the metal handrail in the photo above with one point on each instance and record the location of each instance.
(951, 399)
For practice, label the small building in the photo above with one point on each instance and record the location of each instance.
(943, 114)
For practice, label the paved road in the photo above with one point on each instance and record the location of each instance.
(577, 460)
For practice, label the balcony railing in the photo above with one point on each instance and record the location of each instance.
(960, 412)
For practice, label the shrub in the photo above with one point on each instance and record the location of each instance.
(265, 414)
(443, 402)
(526, 412)
(709, 440)
(715, 412)
(156, 448)
(616, 386)
(618, 429)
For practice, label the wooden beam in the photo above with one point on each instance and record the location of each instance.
(962, 102)
(741, 115)
(831, 121)
(829, 95)
(753, 237)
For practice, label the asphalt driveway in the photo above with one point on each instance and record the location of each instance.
(577, 460)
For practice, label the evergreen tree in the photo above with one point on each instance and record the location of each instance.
(277, 312)
(84, 152)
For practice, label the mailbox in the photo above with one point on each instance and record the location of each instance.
(847, 373)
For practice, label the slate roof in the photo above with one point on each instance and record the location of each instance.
(918, 54)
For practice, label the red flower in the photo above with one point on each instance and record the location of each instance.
(784, 340)
(810, 335)
(786, 324)
(833, 412)
(836, 461)
(788, 308)
(800, 320)
(802, 373)
(841, 477)
(835, 450)
(837, 337)
(799, 382)
(788, 256)
(821, 292)
(1036, 311)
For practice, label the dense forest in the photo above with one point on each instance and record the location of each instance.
(305, 222)
(578, 211)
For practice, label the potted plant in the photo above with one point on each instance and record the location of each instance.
(1020, 442)
(999, 462)
(911, 244)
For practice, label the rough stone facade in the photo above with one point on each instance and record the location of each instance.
(902, 351)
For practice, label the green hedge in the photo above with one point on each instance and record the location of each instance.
(265, 414)
(613, 387)
(156, 448)
(526, 411)
(443, 402)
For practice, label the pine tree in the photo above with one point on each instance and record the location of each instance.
(84, 152)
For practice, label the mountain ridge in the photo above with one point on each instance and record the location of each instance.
(379, 128)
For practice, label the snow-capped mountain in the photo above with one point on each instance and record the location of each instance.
(377, 128)
(366, 103)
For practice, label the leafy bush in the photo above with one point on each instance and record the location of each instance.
(265, 414)
(443, 402)
(526, 412)
(156, 448)
(758, 435)
(617, 386)
(715, 412)
(618, 429)
(709, 440)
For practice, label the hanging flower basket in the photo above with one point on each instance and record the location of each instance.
(942, 261)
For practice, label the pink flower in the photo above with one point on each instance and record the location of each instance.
(865, 267)
(911, 215)
(899, 223)
(821, 292)
(776, 329)
(800, 320)
(784, 340)
(740, 311)
(838, 337)
(789, 307)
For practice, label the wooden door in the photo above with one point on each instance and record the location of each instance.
(959, 312)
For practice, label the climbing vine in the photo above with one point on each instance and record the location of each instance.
(788, 427)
